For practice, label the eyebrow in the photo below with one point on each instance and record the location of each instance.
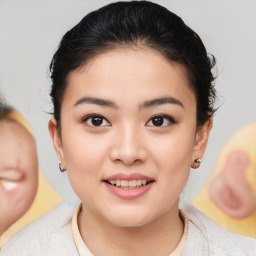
(161, 101)
(146, 104)
(96, 101)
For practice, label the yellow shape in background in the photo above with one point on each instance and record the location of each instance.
(244, 139)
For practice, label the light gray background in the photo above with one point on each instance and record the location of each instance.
(31, 30)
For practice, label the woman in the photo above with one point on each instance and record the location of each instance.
(133, 97)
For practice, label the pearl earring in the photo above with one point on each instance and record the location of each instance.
(61, 167)
(198, 160)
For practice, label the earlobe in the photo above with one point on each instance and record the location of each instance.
(196, 163)
(201, 140)
(56, 140)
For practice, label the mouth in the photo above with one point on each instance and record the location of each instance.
(128, 184)
(10, 179)
(9, 185)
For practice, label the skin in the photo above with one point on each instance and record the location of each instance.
(230, 190)
(18, 164)
(129, 142)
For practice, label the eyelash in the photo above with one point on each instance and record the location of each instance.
(169, 119)
(90, 118)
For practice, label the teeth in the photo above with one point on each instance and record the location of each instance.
(9, 185)
(128, 183)
(124, 183)
(138, 183)
(118, 183)
(132, 183)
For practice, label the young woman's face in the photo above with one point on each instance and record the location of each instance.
(128, 135)
(18, 172)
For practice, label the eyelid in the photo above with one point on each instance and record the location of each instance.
(87, 117)
(171, 120)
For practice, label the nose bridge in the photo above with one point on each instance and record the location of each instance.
(129, 146)
(130, 143)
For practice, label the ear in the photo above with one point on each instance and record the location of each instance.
(56, 140)
(201, 140)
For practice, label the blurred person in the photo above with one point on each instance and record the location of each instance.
(229, 197)
(24, 192)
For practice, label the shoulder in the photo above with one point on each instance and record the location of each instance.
(207, 234)
(48, 234)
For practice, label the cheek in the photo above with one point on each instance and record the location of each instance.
(173, 158)
(9, 152)
(85, 157)
(174, 150)
(29, 166)
(83, 151)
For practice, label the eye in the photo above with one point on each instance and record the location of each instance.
(161, 121)
(96, 120)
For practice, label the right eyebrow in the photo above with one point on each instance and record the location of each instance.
(161, 101)
(95, 101)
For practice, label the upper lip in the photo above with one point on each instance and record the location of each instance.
(130, 176)
(11, 175)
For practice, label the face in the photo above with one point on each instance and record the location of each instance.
(128, 135)
(18, 172)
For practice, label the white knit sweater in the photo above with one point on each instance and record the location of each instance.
(51, 235)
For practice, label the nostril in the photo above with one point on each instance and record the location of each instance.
(128, 161)
(128, 157)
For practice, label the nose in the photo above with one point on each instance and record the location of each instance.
(128, 147)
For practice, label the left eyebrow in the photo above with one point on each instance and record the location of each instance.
(161, 101)
(95, 101)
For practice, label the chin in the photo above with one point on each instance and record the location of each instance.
(129, 222)
(129, 217)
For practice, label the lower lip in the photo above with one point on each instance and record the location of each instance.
(11, 192)
(129, 193)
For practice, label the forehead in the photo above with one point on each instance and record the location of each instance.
(137, 73)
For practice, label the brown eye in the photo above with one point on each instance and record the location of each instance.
(161, 121)
(158, 121)
(96, 121)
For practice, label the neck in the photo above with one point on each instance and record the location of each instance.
(159, 237)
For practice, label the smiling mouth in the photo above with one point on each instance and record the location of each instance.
(10, 179)
(9, 185)
(128, 184)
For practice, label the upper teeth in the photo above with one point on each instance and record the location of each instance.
(9, 185)
(128, 183)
